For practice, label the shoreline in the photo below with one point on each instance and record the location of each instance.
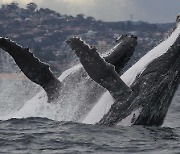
(13, 76)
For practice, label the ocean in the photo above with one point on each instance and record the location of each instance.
(33, 135)
(41, 135)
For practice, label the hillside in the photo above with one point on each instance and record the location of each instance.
(45, 32)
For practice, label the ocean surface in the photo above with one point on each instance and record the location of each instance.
(43, 135)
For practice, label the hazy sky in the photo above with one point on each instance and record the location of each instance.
(113, 10)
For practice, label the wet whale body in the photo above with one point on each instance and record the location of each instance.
(73, 89)
(144, 93)
(149, 96)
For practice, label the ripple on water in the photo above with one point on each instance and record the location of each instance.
(36, 135)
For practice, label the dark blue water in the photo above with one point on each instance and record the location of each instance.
(41, 135)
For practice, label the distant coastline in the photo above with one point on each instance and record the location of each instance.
(12, 76)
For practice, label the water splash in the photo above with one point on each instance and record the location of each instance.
(14, 86)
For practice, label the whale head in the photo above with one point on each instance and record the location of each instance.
(153, 80)
(122, 52)
(157, 85)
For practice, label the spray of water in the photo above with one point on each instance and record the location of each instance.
(14, 86)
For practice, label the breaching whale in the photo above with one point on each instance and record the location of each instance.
(74, 85)
(145, 97)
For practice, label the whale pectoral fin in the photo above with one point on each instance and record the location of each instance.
(122, 52)
(99, 70)
(37, 71)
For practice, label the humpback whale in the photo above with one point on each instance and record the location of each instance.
(150, 94)
(85, 93)
(145, 97)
